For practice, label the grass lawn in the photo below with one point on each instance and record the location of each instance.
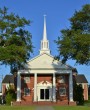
(87, 103)
(4, 107)
(71, 108)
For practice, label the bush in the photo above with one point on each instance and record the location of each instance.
(10, 96)
(78, 94)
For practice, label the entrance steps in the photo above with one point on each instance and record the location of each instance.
(60, 103)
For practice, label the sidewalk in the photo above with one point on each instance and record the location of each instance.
(44, 108)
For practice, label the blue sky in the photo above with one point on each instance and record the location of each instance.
(58, 13)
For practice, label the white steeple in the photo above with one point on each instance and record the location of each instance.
(44, 42)
(44, 30)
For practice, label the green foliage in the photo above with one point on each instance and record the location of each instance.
(10, 95)
(8, 98)
(74, 43)
(78, 94)
(15, 41)
(87, 102)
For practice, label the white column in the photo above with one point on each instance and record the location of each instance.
(35, 87)
(70, 87)
(18, 86)
(54, 88)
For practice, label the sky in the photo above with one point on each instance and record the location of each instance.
(58, 13)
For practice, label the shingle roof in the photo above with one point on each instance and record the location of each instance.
(8, 79)
(81, 79)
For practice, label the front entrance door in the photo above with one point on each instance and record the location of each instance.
(44, 94)
(44, 91)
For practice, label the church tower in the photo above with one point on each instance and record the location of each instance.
(44, 41)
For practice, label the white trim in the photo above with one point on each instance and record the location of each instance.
(35, 87)
(70, 87)
(47, 71)
(54, 88)
(44, 84)
(18, 86)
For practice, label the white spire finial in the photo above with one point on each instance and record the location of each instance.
(44, 30)
(44, 41)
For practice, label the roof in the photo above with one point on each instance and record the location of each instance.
(81, 79)
(8, 79)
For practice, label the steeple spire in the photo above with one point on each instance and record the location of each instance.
(44, 42)
(44, 31)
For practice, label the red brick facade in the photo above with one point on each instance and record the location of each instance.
(3, 88)
(27, 85)
(65, 85)
(40, 78)
(85, 91)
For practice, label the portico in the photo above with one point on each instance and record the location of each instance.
(44, 87)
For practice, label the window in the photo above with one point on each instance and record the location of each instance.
(27, 79)
(61, 79)
(26, 91)
(62, 91)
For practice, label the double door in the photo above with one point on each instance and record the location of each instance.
(44, 94)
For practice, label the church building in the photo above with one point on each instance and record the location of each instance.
(45, 79)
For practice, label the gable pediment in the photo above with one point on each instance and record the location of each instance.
(46, 61)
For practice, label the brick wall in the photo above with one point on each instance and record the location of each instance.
(41, 77)
(27, 85)
(3, 89)
(44, 78)
(85, 91)
(60, 85)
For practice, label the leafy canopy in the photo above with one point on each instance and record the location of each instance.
(15, 40)
(74, 42)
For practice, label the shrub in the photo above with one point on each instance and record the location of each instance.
(78, 94)
(10, 96)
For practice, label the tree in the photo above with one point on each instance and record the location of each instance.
(74, 42)
(78, 94)
(15, 41)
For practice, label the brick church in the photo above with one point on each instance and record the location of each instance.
(45, 79)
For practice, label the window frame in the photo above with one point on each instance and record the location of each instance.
(25, 91)
(62, 88)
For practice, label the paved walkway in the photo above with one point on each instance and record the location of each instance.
(44, 108)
